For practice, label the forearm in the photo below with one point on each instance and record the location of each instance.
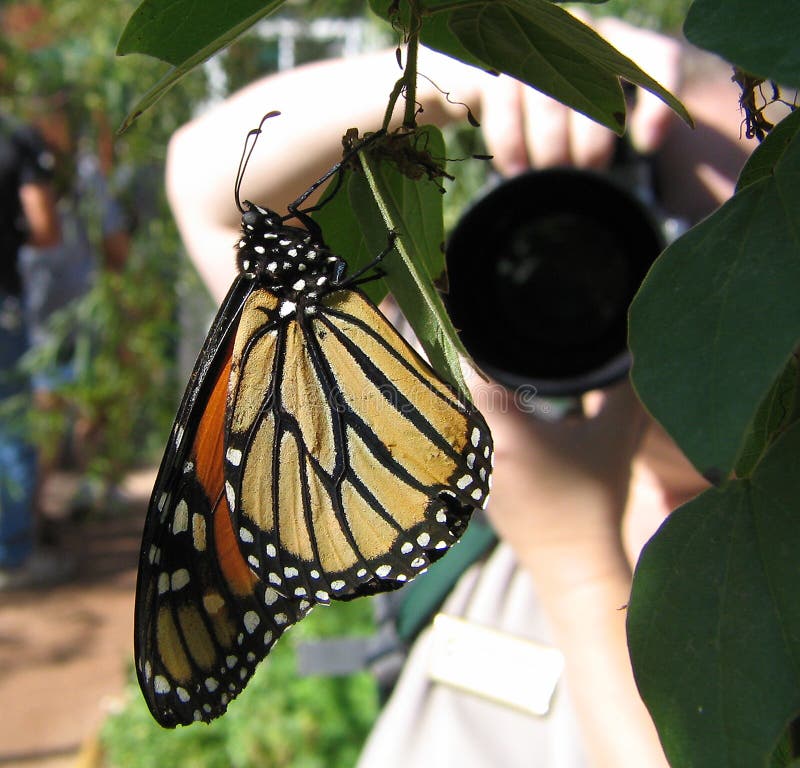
(588, 622)
(39, 208)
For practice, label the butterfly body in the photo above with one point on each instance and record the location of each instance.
(315, 457)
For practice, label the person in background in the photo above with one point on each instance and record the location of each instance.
(573, 502)
(28, 215)
(95, 236)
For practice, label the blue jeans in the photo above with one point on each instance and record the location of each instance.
(17, 455)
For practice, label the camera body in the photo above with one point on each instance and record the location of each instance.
(541, 271)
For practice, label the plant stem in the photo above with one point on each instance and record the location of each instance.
(407, 84)
(410, 73)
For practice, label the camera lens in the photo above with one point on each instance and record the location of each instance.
(541, 272)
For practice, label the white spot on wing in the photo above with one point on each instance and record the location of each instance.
(270, 596)
(180, 522)
(234, 456)
(180, 579)
(464, 481)
(231, 496)
(163, 582)
(251, 621)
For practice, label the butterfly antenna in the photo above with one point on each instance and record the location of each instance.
(249, 146)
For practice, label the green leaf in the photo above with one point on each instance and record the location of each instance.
(714, 620)
(185, 33)
(759, 37)
(773, 415)
(412, 209)
(170, 78)
(342, 228)
(717, 317)
(356, 226)
(178, 30)
(435, 31)
(549, 49)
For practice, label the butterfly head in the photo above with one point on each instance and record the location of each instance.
(291, 261)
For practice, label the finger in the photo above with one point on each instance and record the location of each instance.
(591, 144)
(502, 125)
(650, 122)
(660, 57)
(546, 130)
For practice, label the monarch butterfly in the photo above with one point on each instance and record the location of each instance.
(314, 457)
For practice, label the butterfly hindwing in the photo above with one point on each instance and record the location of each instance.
(357, 466)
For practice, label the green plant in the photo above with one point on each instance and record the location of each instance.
(280, 720)
(714, 628)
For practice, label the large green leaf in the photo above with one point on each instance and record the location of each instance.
(774, 414)
(542, 45)
(759, 37)
(185, 33)
(717, 317)
(714, 620)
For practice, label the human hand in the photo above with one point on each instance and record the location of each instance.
(560, 488)
(524, 128)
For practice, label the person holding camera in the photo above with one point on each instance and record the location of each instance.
(573, 500)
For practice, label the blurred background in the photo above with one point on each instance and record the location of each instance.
(116, 317)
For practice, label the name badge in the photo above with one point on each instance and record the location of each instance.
(500, 667)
